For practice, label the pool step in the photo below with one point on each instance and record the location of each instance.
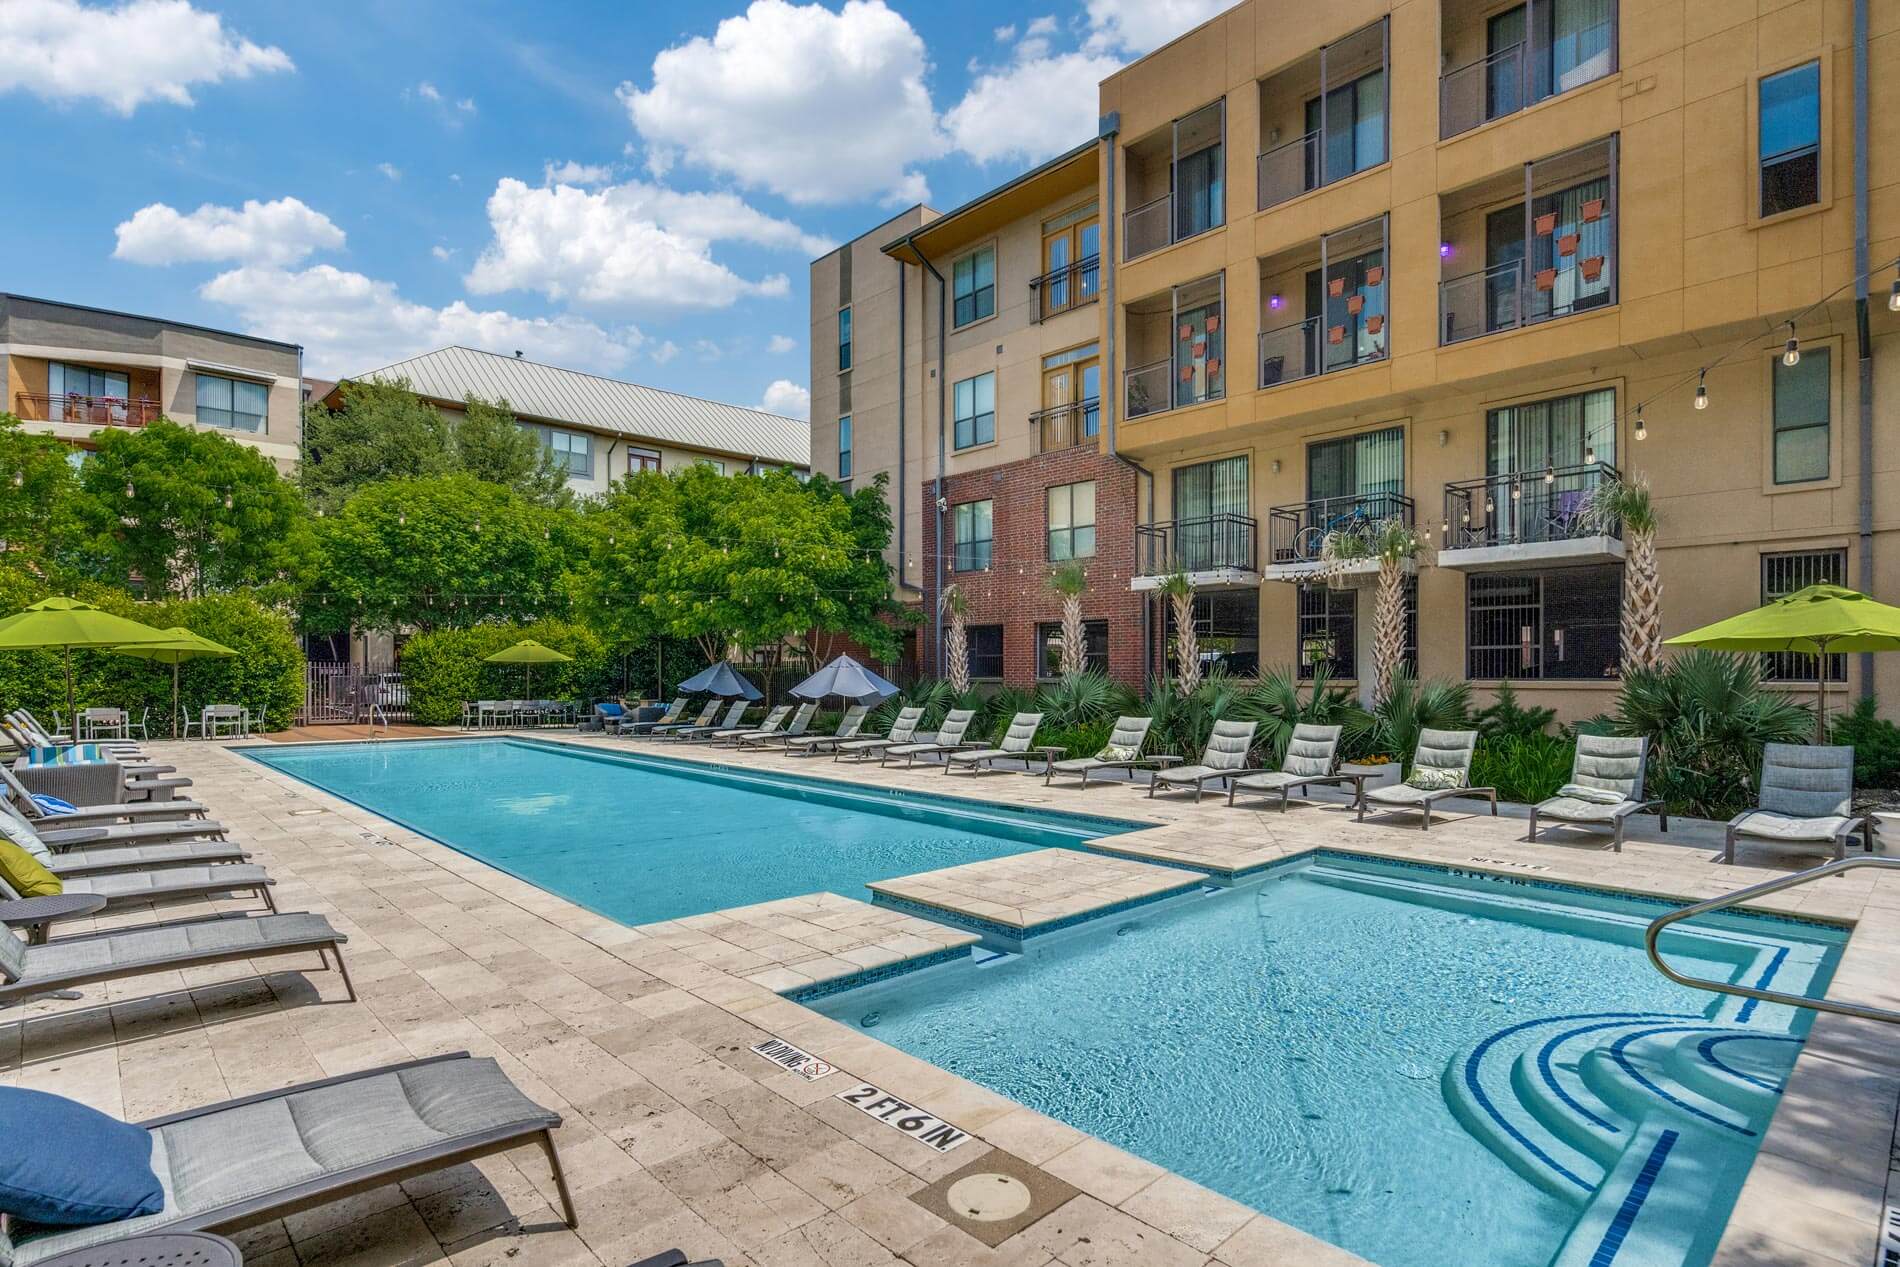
(1658, 1196)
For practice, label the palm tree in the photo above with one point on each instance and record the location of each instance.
(956, 644)
(1392, 543)
(1627, 504)
(1187, 648)
(1071, 581)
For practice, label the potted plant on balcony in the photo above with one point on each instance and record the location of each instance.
(1397, 547)
(1626, 504)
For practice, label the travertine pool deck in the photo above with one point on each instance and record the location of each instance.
(1025, 892)
(675, 1133)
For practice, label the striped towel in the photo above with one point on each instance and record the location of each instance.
(53, 806)
(72, 754)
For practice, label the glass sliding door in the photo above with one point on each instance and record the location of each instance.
(1211, 520)
(1199, 171)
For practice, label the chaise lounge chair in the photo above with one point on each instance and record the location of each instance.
(1806, 798)
(1224, 758)
(27, 733)
(1441, 770)
(729, 722)
(247, 1161)
(65, 856)
(1309, 759)
(660, 730)
(34, 808)
(671, 717)
(28, 971)
(848, 727)
(1605, 788)
(949, 738)
(182, 880)
(1122, 752)
(769, 726)
(1017, 742)
(903, 730)
(800, 723)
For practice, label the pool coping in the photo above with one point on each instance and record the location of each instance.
(1804, 1200)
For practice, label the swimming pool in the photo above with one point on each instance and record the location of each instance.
(642, 839)
(1428, 1068)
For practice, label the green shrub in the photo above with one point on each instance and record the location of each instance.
(1526, 768)
(444, 668)
(1506, 718)
(1876, 743)
(1279, 702)
(1079, 699)
(1082, 740)
(1411, 707)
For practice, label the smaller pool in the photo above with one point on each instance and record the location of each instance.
(642, 839)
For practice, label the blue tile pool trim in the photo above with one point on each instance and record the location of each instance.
(871, 976)
(977, 924)
(1708, 1045)
(1620, 1054)
(1619, 1229)
(1768, 974)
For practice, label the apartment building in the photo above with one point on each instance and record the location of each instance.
(602, 429)
(959, 353)
(72, 371)
(1480, 252)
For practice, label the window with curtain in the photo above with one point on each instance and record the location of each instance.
(1199, 171)
(232, 403)
(83, 380)
(844, 447)
(1801, 417)
(1094, 643)
(1349, 305)
(1566, 431)
(1353, 130)
(1071, 521)
(972, 523)
(1199, 342)
(1564, 44)
(1789, 119)
(975, 416)
(1582, 224)
(973, 286)
(1365, 465)
(1210, 507)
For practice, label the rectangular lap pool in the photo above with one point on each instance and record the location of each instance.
(642, 839)
(1429, 1068)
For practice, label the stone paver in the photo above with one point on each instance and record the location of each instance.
(1023, 892)
(676, 1134)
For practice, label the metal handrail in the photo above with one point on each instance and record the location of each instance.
(1656, 926)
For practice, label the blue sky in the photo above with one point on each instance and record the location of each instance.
(633, 188)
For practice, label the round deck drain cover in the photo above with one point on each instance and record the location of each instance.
(988, 1198)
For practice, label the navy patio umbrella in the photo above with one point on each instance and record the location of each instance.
(847, 678)
(719, 679)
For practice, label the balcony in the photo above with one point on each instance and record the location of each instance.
(1296, 533)
(1176, 182)
(1176, 342)
(1333, 106)
(1065, 426)
(87, 411)
(1340, 284)
(1214, 551)
(1558, 55)
(1528, 519)
(1070, 286)
(1551, 254)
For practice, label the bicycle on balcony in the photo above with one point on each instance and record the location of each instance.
(1309, 543)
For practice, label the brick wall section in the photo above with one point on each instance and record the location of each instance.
(1015, 593)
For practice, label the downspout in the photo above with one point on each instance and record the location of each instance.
(903, 477)
(1862, 336)
(943, 349)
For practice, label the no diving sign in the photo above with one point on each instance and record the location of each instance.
(800, 1062)
(901, 1116)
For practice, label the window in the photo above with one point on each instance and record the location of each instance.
(1211, 526)
(1370, 466)
(1555, 624)
(572, 451)
(1328, 630)
(1354, 130)
(973, 530)
(844, 339)
(1071, 259)
(976, 410)
(1227, 626)
(844, 447)
(986, 650)
(1071, 521)
(1568, 431)
(642, 460)
(1200, 199)
(717, 464)
(232, 403)
(1783, 574)
(1198, 342)
(1789, 124)
(1801, 396)
(973, 282)
(1094, 642)
(83, 380)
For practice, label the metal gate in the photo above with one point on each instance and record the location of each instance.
(340, 693)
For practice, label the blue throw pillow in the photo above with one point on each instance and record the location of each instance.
(53, 805)
(68, 1165)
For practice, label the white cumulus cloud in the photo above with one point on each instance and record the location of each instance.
(123, 55)
(813, 105)
(664, 352)
(1136, 26)
(1037, 107)
(787, 398)
(586, 175)
(282, 231)
(780, 344)
(349, 323)
(634, 246)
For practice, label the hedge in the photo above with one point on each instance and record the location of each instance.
(444, 668)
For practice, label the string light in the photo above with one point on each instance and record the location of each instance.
(229, 501)
(130, 492)
(1792, 357)
(19, 478)
(1550, 470)
(1642, 429)
(1589, 458)
(1893, 296)
(1702, 386)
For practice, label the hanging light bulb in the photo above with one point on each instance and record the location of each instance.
(544, 533)
(130, 492)
(19, 478)
(1792, 356)
(478, 525)
(1589, 456)
(1517, 490)
(229, 501)
(1642, 428)
(1893, 296)
(402, 519)
(319, 512)
(1550, 472)
(1702, 390)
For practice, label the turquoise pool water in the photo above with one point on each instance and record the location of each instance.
(642, 839)
(1427, 1068)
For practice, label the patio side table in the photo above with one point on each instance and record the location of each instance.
(156, 1249)
(35, 914)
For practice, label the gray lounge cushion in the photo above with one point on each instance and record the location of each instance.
(1269, 781)
(1610, 763)
(134, 885)
(135, 857)
(1575, 809)
(1311, 750)
(1771, 826)
(12, 956)
(1186, 773)
(948, 735)
(1807, 780)
(1402, 794)
(160, 944)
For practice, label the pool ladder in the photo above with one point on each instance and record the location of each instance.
(1762, 890)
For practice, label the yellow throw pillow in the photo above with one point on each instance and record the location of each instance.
(24, 874)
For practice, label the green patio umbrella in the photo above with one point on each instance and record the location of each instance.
(1816, 620)
(180, 645)
(60, 624)
(528, 652)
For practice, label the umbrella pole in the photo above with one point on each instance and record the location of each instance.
(175, 717)
(72, 711)
(1820, 692)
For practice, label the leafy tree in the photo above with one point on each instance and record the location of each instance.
(443, 668)
(37, 487)
(489, 444)
(382, 431)
(190, 512)
(450, 550)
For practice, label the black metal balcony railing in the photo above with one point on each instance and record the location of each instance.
(1067, 287)
(1526, 507)
(1522, 75)
(1297, 533)
(1062, 426)
(1205, 544)
(92, 411)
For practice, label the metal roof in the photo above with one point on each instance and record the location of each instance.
(547, 393)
